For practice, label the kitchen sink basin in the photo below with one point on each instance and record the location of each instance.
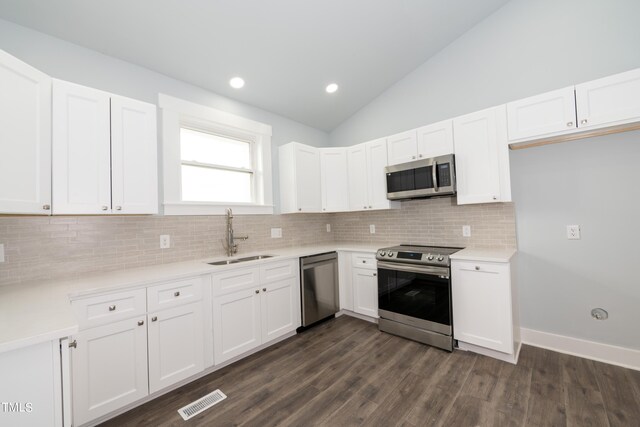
(237, 260)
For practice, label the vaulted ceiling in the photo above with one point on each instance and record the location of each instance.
(287, 51)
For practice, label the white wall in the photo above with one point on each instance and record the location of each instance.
(74, 63)
(525, 48)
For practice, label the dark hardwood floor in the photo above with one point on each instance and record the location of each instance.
(345, 372)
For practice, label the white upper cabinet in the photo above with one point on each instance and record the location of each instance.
(402, 147)
(299, 178)
(25, 138)
(333, 174)
(609, 101)
(81, 150)
(551, 113)
(367, 180)
(482, 157)
(104, 153)
(134, 156)
(435, 139)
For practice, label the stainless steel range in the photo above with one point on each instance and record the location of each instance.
(414, 293)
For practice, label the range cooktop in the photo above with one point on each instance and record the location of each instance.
(416, 254)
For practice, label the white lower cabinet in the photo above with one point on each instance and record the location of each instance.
(176, 345)
(358, 277)
(484, 306)
(365, 292)
(265, 308)
(109, 368)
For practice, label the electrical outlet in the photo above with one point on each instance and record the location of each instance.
(165, 241)
(466, 231)
(573, 232)
(372, 228)
(328, 228)
(276, 233)
(1, 252)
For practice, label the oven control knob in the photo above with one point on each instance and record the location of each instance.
(390, 254)
(382, 253)
(430, 257)
(440, 258)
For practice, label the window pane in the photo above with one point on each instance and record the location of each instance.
(215, 185)
(214, 149)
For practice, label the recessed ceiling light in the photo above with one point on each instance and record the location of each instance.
(331, 88)
(236, 82)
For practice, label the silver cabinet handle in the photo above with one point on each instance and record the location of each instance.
(46, 207)
(257, 291)
(73, 344)
(364, 207)
(477, 268)
(420, 155)
(112, 308)
(570, 124)
(413, 157)
(495, 197)
(375, 274)
(369, 207)
(104, 208)
(176, 294)
(140, 322)
(264, 289)
(154, 318)
(364, 261)
(583, 121)
(118, 208)
(300, 209)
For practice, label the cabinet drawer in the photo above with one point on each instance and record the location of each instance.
(363, 260)
(235, 280)
(482, 267)
(278, 270)
(103, 309)
(174, 293)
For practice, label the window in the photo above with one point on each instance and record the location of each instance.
(215, 168)
(213, 160)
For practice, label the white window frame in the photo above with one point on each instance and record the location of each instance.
(176, 114)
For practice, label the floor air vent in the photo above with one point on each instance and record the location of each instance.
(202, 404)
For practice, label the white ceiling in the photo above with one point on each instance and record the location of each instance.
(286, 50)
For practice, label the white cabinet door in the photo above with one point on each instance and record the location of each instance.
(358, 178)
(365, 292)
(481, 299)
(402, 147)
(236, 324)
(377, 179)
(280, 308)
(435, 139)
(551, 113)
(481, 151)
(307, 178)
(109, 367)
(25, 138)
(134, 156)
(334, 177)
(81, 150)
(609, 101)
(176, 345)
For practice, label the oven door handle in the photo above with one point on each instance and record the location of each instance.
(434, 271)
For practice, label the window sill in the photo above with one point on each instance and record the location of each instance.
(204, 208)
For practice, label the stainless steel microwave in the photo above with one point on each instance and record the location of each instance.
(433, 177)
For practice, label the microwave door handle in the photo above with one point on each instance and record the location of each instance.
(434, 175)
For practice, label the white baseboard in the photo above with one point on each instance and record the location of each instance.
(614, 355)
(357, 315)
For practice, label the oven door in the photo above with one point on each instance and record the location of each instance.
(422, 178)
(419, 296)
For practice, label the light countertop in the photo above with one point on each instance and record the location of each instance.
(35, 312)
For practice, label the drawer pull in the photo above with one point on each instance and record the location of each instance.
(364, 261)
(477, 268)
(140, 322)
(154, 318)
(257, 291)
(176, 294)
(264, 289)
(73, 344)
(112, 308)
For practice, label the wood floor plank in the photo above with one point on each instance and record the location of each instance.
(620, 394)
(546, 404)
(352, 413)
(472, 411)
(482, 380)
(512, 392)
(584, 403)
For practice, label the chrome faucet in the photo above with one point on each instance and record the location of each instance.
(231, 246)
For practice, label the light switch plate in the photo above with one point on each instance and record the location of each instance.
(276, 233)
(372, 228)
(1, 252)
(466, 231)
(573, 232)
(165, 241)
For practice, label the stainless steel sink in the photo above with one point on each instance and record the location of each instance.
(235, 261)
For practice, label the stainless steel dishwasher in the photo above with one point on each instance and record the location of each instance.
(319, 283)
